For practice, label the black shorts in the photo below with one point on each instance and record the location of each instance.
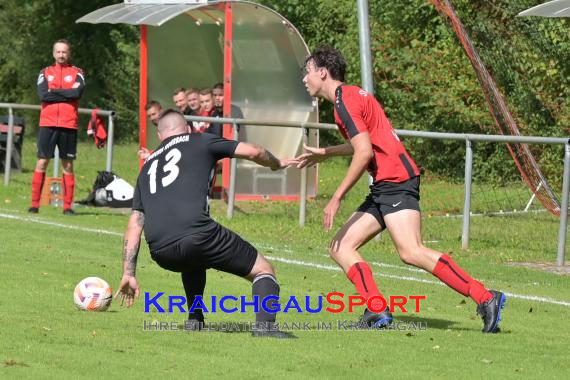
(215, 247)
(64, 138)
(389, 197)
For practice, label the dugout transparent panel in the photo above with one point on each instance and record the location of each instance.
(268, 54)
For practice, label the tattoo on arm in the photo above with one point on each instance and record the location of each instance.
(140, 218)
(130, 255)
(271, 160)
(132, 242)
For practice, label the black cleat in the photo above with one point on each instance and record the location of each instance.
(376, 320)
(490, 312)
(195, 322)
(277, 334)
(69, 212)
(34, 210)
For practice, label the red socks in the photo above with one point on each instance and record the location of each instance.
(360, 275)
(37, 185)
(68, 189)
(457, 279)
(446, 270)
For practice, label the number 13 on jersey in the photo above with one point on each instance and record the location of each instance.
(170, 169)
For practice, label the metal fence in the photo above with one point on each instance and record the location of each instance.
(10, 135)
(468, 138)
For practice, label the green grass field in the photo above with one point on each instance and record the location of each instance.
(42, 335)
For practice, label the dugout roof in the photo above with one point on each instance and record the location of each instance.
(185, 44)
(556, 8)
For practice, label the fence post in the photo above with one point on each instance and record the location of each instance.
(55, 162)
(110, 132)
(467, 201)
(564, 207)
(233, 173)
(9, 141)
(303, 190)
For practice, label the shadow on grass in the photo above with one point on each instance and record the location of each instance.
(231, 328)
(81, 210)
(432, 323)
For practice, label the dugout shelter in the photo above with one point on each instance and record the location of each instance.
(253, 50)
(555, 8)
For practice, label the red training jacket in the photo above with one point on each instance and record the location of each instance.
(59, 89)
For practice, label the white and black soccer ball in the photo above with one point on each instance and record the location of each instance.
(93, 294)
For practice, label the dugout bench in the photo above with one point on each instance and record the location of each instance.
(19, 128)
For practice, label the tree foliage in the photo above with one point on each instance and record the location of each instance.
(108, 55)
(425, 81)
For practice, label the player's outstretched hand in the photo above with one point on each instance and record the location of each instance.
(286, 162)
(143, 153)
(128, 290)
(329, 212)
(312, 156)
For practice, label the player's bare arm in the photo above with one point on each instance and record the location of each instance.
(143, 153)
(314, 155)
(361, 157)
(129, 288)
(261, 156)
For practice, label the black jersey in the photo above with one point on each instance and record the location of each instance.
(173, 185)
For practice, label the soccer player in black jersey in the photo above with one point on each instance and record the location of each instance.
(170, 204)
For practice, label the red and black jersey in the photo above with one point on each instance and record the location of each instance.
(356, 111)
(201, 126)
(59, 89)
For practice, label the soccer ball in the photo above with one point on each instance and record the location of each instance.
(93, 294)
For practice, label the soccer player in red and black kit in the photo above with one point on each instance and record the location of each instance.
(393, 201)
(59, 87)
(170, 204)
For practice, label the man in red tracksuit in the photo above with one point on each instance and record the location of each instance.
(59, 87)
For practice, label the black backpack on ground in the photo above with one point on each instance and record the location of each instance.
(109, 190)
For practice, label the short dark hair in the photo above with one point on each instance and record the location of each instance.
(218, 85)
(168, 112)
(329, 58)
(152, 103)
(63, 41)
(192, 90)
(177, 90)
(206, 91)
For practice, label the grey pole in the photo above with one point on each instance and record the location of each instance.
(233, 173)
(56, 162)
(467, 202)
(9, 141)
(303, 190)
(110, 132)
(365, 57)
(564, 208)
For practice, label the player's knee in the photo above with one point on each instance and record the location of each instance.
(409, 255)
(42, 164)
(262, 266)
(339, 248)
(334, 250)
(268, 268)
(67, 166)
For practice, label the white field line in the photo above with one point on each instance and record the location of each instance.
(414, 279)
(284, 260)
(381, 265)
(68, 226)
